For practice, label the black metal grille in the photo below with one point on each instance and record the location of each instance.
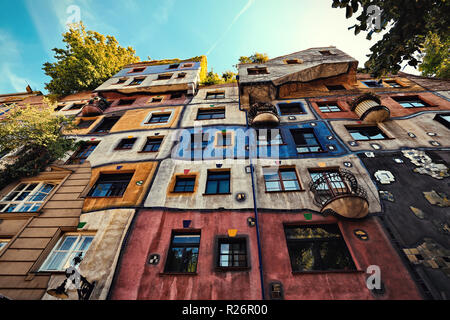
(259, 108)
(328, 185)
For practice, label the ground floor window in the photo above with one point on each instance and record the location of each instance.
(317, 248)
(232, 253)
(183, 253)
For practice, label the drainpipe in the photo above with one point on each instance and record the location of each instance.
(255, 208)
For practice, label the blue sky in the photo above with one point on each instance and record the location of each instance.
(221, 29)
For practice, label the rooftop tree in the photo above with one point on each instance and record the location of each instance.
(88, 60)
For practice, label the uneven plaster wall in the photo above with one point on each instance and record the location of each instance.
(160, 194)
(231, 94)
(104, 153)
(284, 119)
(233, 116)
(397, 131)
(100, 261)
(304, 199)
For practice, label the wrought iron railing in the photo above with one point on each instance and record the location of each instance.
(330, 185)
(260, 108)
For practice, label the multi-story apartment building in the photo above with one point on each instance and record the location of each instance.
(303, 180)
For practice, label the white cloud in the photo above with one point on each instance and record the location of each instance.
(236, 18)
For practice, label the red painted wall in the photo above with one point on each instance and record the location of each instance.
(152, 231)
(152, 234)
(329, 285)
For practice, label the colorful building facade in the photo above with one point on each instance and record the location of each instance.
(303, 180)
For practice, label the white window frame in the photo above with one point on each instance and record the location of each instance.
(70, 253)
(33, 205)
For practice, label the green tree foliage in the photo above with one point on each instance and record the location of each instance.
(214, 78)
(436, 57)
(229, 76)
(88, 60)
(409, 22)
(255, 58)
(33, 134)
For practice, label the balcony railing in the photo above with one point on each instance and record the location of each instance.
(96, 106)
(263, 114)
(339, 192)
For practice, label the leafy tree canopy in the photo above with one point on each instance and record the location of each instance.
(88, 60)
(33, 134)
(409, 21)
(255, 58)
(214, 78)
(436, 57)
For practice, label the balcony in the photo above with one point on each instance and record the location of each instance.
(95, 107)
(369, 109)
(263, 114)
(338, 192)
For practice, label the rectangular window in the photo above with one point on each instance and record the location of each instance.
(317, 248)
(209, 114)
(159, 117)
(166, 76)
(224, 139)
(411, 102)
(284, 179)
(153, 144)
(326, 53)
(126, 102)
(83, 124)
(174, 66)
(365, 133)
(373, 83)
(26, 197)
(106, 125)
(68, 247)
(393, 84)
(121, 81)
(76, 106)
(232, 253)
(83, 152)
(58, 108)
(111, 185)
(287, 109)
(293, 61)
(269, 137)
(136, 81)
(176, 95)
(306, 141)
(181, 75)
(183, 253)
(184, 184)
(3, 243)
(444, 119)
(126, 144)
(218, 182)
(199, 142)
(136, 70)
(327, 107)
(156, 100)
(335, 87)
(257, 71)
(215, 95)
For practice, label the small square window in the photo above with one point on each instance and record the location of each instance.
(364, 133)
(257, 71)
(218, 182)
(327, 107)
(336, 87)
(183, 253)
(373, 83)
(160, 117)
(126, 102)
(181, 75)
(121, 81)
(287, 109)
(215, 95)
(136, 81)
(164, 76)
(188, 65)
(306, 141)
(184, 184)
(411, 102)
(176, 95)
(83, 152)
(137, 70)
(83, 124)
(210, 114)
(293, 61)
(444, 119)
(174, 66)
(152, 144)
(106, 125)
(232, 253)
(156, 100)
(126, 144)
(393, 84)
(3, 243)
